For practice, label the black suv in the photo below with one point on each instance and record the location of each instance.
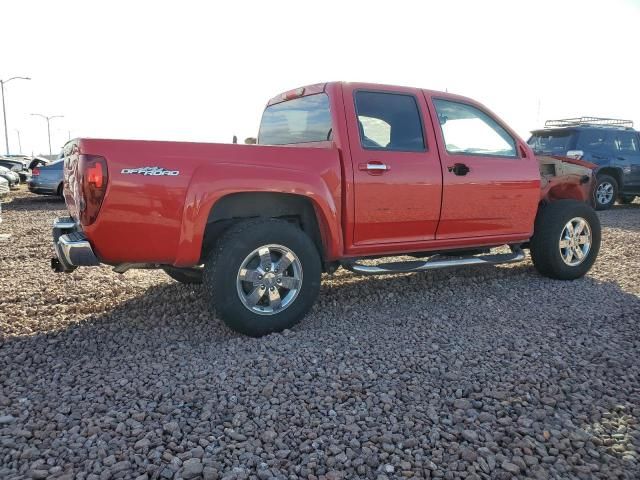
(613, 145)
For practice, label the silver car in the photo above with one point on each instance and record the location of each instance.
(47, 179)
(11, 177)
(4, 188)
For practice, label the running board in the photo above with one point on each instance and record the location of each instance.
(433, 263)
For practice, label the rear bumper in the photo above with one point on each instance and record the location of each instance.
(71, 246)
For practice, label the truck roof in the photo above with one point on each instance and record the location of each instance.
(323, 87)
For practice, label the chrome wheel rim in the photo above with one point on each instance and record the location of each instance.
(604, 193)
(575, 241)
(269, 279)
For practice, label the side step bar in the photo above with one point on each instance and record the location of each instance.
(433, 263)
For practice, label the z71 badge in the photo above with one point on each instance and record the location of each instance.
(154, 171)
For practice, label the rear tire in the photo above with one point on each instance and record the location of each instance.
(562, 252)
(626, 199)
(188, 276)
(606, 192)
(60, 191)
(262, 276)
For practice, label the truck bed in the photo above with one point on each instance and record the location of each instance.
(160, 194)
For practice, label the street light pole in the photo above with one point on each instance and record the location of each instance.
(19, 142)
(4, 111)
(48, 118)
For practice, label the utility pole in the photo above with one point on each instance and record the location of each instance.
(4, 110)
(48, 118)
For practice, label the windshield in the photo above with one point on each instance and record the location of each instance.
(554, 142)
(301, 120)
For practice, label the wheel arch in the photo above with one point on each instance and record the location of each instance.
(235, 207)
(614, 172)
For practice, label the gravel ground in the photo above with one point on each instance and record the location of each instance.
(491, 372)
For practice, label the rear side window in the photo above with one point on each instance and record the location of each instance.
(469, 131)
(389, 121)
(594, 141)
(301, 120)
(626, 142)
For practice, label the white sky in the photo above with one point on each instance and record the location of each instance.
(202, 71)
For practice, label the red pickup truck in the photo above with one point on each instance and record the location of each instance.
(342, 173)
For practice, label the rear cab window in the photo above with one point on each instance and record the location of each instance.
(300, 120)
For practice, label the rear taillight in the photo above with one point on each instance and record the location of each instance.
(35, 172)
(94, 178)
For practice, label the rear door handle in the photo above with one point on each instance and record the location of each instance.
(459, 169)
(374, 167)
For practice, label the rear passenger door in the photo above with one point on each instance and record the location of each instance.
(490, 187)
(397, 174)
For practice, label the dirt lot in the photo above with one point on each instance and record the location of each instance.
(477, 373)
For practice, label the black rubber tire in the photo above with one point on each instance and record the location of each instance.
(223, 263)
(188, 276)
(626, 199)
(544, 245)
(60, 191)
(602, 179)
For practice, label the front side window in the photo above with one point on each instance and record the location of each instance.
(301, 120)
(469, 131)
(626, 142)
(389, 121)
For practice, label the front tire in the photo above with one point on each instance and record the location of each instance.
(262, 276)
(606, 192)
(566, 239)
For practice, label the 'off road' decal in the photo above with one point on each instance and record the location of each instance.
(154, 171)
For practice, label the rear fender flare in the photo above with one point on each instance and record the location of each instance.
(205, 190)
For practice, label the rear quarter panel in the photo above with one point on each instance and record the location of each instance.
(161, 219)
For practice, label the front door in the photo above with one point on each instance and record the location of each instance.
(397, 173)
(490, 186)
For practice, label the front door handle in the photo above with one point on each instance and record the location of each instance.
(374, 167)
(459, 169)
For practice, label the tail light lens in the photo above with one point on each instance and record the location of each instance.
(93, 184)
(35, 172)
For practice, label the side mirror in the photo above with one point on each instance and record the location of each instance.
(250, 141)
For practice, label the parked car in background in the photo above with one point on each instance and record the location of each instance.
(613, 145)
(16, 166)
(11, 177)
(47, 179)
(24, 159)
(4, 188)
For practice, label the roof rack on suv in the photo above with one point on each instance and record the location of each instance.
(593, 121)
